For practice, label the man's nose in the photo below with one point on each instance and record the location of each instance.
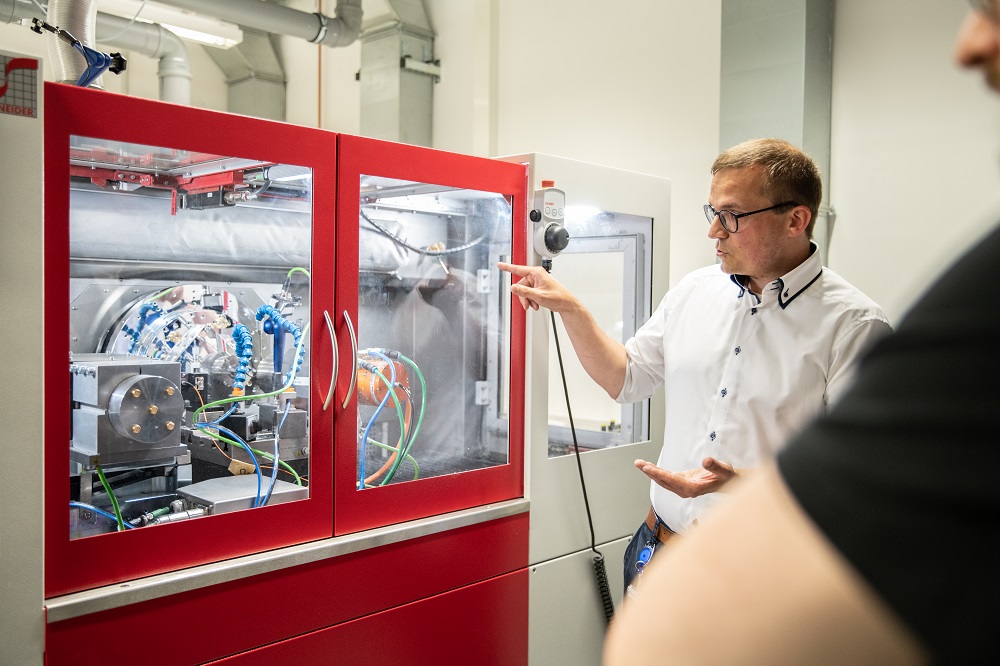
(716, 230)
(977, 40)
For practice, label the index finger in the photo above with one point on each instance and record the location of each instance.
(520, 271)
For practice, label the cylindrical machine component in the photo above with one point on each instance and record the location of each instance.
(146, 408)
(371, 388)
(179, 515)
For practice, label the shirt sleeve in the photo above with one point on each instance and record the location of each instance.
(848, 350)
(645, 363)
(900, 473)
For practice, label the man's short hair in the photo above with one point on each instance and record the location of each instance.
(790, 174)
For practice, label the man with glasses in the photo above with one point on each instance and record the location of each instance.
(748, 349)
(874, 540)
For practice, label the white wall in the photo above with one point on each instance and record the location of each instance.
(634, 87)
(465, 100)
(913, 176)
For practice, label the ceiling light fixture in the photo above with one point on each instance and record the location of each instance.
(202, 29)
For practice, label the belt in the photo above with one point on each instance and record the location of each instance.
(661, 531)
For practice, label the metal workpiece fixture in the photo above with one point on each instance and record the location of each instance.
(126, 410)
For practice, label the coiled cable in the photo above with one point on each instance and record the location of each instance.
(599, 569)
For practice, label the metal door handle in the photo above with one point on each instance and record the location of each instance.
(336, 360)
(354, 359)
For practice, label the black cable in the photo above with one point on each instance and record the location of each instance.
(420, 250)
(599, 569)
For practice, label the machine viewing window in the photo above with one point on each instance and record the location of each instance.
(189, 301)
(607, 264)
(432, 331)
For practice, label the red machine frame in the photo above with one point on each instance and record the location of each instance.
(74, 565)
(334, 506)
(355, 510)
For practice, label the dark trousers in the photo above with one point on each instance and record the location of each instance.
(640, 539)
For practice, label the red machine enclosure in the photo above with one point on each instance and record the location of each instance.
(73, 565)
(469, 578)
(357, 511)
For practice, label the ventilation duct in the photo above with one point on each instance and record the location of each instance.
(398, 72)
(78, 18)
(254, 76)
(155, 41)
(253, 70)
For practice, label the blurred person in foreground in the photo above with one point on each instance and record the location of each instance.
(874, 539)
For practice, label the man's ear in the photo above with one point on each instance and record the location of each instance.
(799, 221)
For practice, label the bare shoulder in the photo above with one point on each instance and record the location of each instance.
(757, 583)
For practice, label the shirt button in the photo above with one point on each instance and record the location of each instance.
(753, 311)
(737, 351)
(723, 393)
(711, 436)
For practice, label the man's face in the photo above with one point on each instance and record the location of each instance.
(979, 41)
(760, 246)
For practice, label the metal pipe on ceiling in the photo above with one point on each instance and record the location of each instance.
(15, 10)
(155, 41)
(341, 30)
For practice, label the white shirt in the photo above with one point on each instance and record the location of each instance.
(742, 373)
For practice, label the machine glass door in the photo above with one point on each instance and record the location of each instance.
(606, 264)
(193, 382)
(431, 402)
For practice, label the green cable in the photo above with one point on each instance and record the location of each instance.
(282, 463)
(299, 269)
(165, 291)
(416, 467)
(423, 402)
(215, 435)
(399, 412)
(244, 398)
(392, 392)
(254, 396)
(114, 500)
(248, 448)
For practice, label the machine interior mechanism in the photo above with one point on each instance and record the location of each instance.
(190, 315)
(189, 328)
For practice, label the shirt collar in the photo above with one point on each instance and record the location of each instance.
(786, 288)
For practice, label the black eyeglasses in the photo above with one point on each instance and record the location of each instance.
(731, 221)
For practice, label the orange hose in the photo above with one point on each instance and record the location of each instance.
(402, 439)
